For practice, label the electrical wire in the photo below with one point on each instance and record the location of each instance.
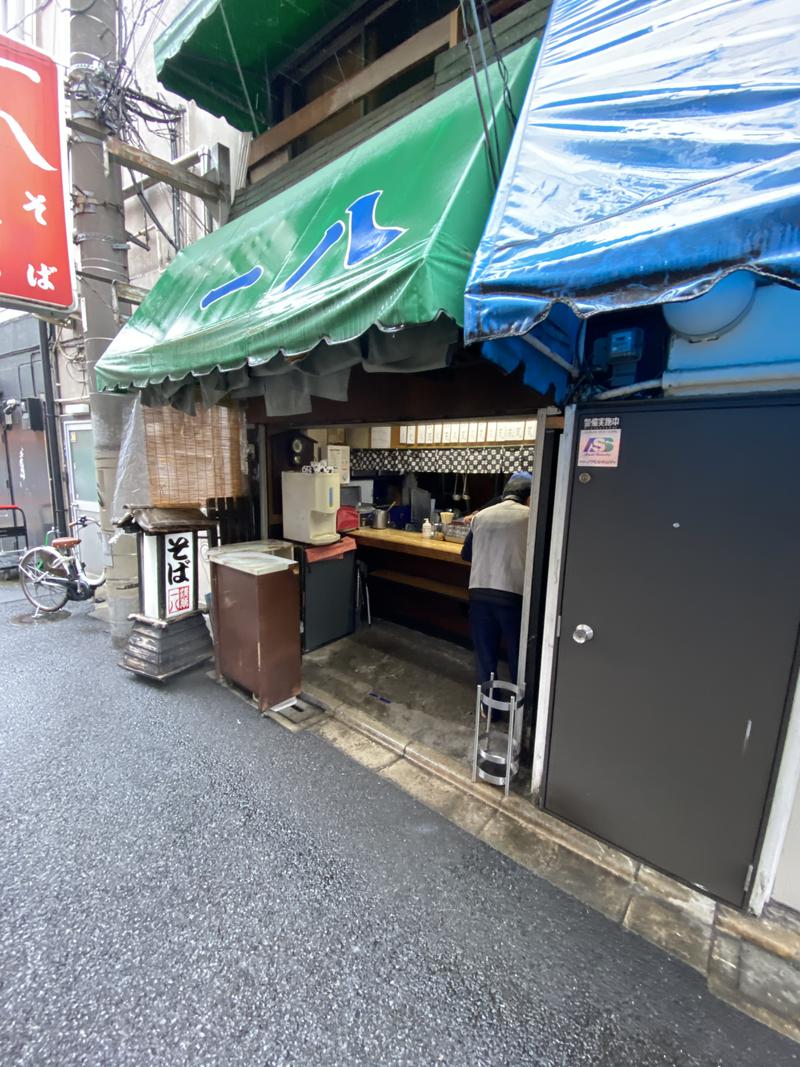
(123, 106)
(31, 14)
(75, 363)
(238, 67)
(109, 83)
(494, 168)
(129, 31)
(149, 33)
(484, 60)
(501, 66)
(137, 185)
(188, 207)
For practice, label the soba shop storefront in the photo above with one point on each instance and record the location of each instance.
(332, 314)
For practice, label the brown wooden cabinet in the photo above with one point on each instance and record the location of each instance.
(257, 631)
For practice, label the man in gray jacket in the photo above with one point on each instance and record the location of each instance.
(495, 546)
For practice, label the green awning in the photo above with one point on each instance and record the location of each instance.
(375, 241)
(194, 57)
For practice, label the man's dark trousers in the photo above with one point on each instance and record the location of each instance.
(495, 618)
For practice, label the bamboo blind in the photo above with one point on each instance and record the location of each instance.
(193, 458)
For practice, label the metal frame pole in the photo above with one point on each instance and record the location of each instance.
(477, 733)
(530, 549)
(52, 441)
(553, 601)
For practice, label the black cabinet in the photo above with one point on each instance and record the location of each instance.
(329, 594)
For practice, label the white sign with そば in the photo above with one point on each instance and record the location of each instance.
(179, 575)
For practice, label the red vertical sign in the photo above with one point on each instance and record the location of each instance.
(35, 239)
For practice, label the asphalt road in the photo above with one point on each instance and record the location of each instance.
(182, 882)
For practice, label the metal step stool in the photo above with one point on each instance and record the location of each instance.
(495, 756)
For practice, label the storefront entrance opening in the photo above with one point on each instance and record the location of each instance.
(386, 625)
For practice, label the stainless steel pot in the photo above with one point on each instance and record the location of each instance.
(380, 520)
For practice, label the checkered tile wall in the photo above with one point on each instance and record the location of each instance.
(486, 459)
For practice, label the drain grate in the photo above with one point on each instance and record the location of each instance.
(300, 708)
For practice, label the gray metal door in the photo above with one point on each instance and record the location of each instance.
(678, 633)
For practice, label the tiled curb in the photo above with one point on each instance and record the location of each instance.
(753, 964)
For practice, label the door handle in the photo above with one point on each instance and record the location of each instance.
(582, 633)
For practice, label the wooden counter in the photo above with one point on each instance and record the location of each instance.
(410, 544)
(417, 580)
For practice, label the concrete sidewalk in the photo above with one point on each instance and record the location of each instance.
(185, 882)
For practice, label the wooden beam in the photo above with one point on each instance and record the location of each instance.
(455, 27)
(123, 293)
(162, 170)
(219, 172)
(434, 38)
(189, 160)
(131, 294)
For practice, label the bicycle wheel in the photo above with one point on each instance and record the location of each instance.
(39, 571)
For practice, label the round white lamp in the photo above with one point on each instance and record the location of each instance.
(706, 317)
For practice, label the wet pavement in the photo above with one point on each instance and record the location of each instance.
(183, 882)
(418, 685)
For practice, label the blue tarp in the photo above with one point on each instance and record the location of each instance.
(658, 149)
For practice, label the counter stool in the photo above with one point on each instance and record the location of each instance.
(362, 592)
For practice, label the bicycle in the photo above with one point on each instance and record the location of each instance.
(50, 575)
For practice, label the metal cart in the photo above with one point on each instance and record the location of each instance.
(13, 526)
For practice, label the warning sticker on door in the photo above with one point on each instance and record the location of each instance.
(599, 448)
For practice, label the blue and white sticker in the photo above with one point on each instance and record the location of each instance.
(599, 448)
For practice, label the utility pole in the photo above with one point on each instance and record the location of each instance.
(102, 257)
